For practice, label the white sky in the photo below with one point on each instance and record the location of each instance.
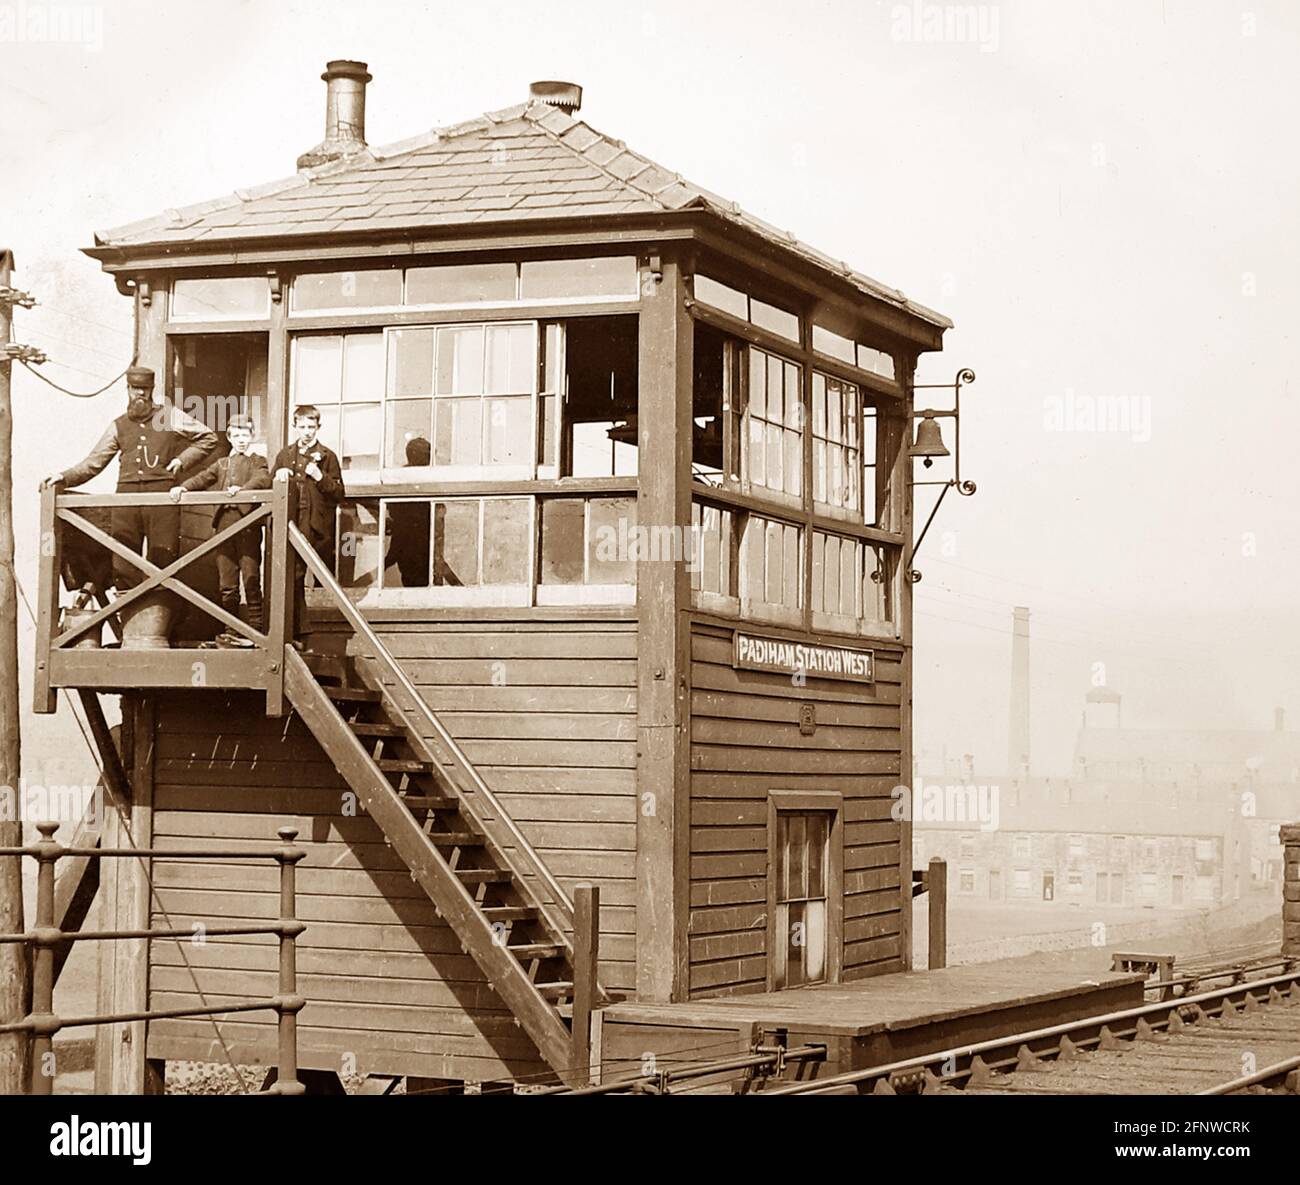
(1102, 196)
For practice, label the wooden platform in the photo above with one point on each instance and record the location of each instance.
(864, 1023)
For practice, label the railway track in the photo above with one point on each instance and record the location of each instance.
(1240, 1038)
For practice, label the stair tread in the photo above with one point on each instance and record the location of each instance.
(403, 765)
(458, 838)
(506, 913)
(484, 875)
(432, 801)
(366, 729)
(536, 949)
(356, 694)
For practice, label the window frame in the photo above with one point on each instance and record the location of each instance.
(796, 802)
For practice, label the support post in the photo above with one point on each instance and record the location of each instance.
(44, 1023)
(15, 966)
(48, 583)
(938, 904)
(281, 565)
(586, 956)
(663, 774)
(290, 1002)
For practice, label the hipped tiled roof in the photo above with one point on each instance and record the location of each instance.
(527, 163)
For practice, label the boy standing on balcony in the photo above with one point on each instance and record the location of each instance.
(239, 557)
(315, 489)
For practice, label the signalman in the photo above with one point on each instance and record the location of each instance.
(154, 442)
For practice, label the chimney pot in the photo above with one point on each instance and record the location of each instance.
(567, 96)
(345, 113)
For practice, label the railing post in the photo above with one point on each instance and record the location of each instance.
(937, 881)
(586, 956)
(280, 599)
(49, 578)
(46, 936)
(289, 1002)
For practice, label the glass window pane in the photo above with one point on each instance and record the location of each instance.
(470, 283)
(409, 432)
(221, 296)
(757, 382)
(373, 288)
(611, 522)
(819, 404)
(359, 548)
(792, 593)
(757, 453)
(818, 834)
(406, 525)
(329, 427)
(775, 453)
(814, 941)
(826, 342)
(606, 276)
(774, 400)
(455, 542)
(361, 426)
(410, 361)
(796, 884)
(317, 369)
(818, 572)
(562, 531)
(509, 359)
(363, 367)
(774, 320)
(460, 360)
(793, 397)
(720, 296)
(509, 431)
(458, 432)
(506, 531)
(793, 462)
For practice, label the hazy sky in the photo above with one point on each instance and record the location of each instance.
(1103, 196)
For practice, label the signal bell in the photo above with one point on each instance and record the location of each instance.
(929, 441)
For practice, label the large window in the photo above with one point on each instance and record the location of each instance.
(467, 389)
(217, 298)
(772, 455)
(771, 571)
(803, 876)
(343, 376)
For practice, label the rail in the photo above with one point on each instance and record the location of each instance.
(42, 1023)
(477, 788)
(74, 550)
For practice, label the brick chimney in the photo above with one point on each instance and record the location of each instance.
(345, 114)
(1018, 748)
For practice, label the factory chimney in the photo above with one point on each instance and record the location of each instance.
(1018, 745)
(345, 114)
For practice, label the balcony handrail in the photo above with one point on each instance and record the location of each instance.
(42, 1022)
(394, 670)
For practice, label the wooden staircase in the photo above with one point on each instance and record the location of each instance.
(461, 847)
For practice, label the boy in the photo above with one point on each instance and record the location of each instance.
(240, 556)
(316, 488)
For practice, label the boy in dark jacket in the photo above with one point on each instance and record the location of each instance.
(241, 555)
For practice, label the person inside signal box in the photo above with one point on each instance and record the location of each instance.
(239, 557)
(315, 488)
(154, 442)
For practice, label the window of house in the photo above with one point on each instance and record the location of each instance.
(1102, 888)
(1116, 888)
(1176, 889)
(802, 878)
(214, 298)
(588, 542)
(369, 288)
(966, 880)
(1204, 850)
(1021, 882)
(967, 847)
(556, 279)
(343, 376)
(771, 572)
(1076, 847)
(745, 307)
(1150, 851)
(713, 566)
(598, 431)
(1021, 846)
(1148, 886)
(772, 456)
(1074, 884)
(1118, 847)
(463, 283)
(835, 345)
(837, 445)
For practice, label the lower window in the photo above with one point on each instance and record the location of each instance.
(805, 888)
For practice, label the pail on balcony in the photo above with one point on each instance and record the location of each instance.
(93, 638)
(147, 622)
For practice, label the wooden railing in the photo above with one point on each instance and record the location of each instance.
(260, 666)
(486, 808)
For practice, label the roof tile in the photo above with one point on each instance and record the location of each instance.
(530, 161)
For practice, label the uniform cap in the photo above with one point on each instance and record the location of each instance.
(240, 421)
(139, 376)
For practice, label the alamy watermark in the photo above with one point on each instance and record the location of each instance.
(28, 22)
(1121, 414)
(972, 24)
(628, 542)
(963, 802)
(34, 802)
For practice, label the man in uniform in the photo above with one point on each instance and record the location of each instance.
(315, 489)
(154, 443)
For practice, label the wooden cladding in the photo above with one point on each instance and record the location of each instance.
(747, 750)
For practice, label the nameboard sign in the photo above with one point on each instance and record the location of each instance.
(806, 658)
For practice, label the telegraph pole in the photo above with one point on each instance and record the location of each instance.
(15, 969)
